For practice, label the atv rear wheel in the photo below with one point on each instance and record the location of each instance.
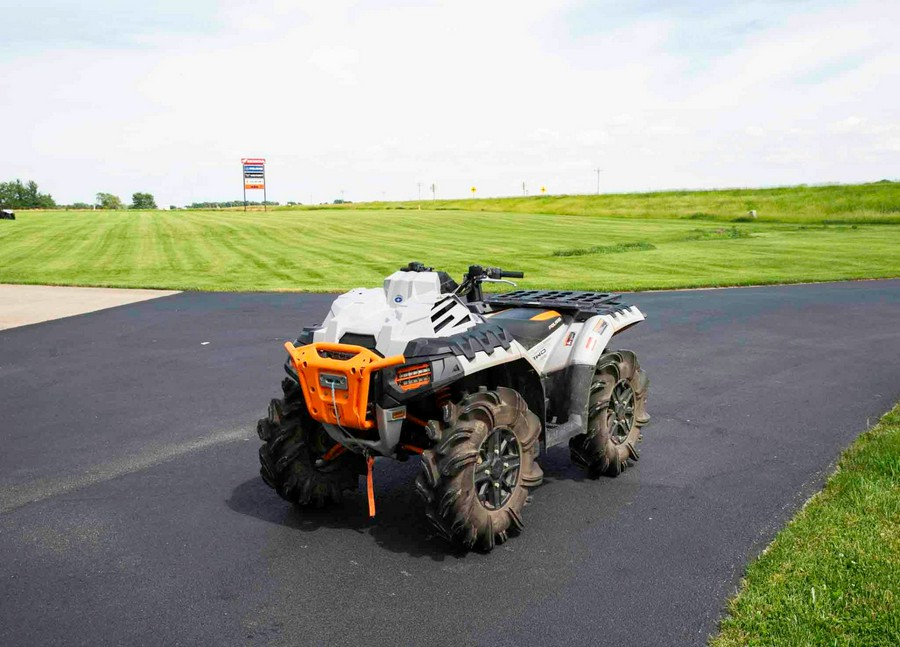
(298, 458)
(475, 481)
(616, 413)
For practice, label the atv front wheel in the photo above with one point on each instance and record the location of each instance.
(298, 458)
(475, 481)
(616, 413)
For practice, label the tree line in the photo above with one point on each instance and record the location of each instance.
(25, 195)
(138, 201)
(16, 195)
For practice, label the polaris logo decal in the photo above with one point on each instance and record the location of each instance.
(555, 323)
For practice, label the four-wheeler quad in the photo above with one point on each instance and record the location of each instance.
(477, 386)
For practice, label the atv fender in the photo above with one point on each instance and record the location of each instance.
(596, 332)
(589, 345)
(520, 375)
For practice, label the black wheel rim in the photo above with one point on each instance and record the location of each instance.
(497, 468)
(621, 412)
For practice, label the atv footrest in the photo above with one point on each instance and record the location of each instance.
(558, 434)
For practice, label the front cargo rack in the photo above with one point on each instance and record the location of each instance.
(583, 305)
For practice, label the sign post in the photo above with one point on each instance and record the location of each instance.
(254, 177)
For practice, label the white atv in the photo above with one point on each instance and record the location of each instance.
(477, 386)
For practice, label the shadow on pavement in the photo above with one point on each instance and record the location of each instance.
(400, 525)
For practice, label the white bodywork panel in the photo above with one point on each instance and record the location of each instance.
(541, 354)
(583, 343)
(409, 306)
(588, 340)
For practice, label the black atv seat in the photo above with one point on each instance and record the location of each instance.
(528, 326)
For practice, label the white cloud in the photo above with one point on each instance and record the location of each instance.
(374, 97)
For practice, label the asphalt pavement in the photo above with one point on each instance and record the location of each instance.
(131, 511)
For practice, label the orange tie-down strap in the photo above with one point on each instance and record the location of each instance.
(370, 463)
(370, 486)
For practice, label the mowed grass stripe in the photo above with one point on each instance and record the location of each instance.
(340, 249)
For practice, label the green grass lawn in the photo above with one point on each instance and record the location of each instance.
(341, 248)
(832, 577)
(878, 202)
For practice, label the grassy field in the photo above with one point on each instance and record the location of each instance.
(341, 248)
(876, 203)
(832, 577)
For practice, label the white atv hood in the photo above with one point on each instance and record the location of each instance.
(409, 306)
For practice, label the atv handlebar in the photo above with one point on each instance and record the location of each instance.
(476, 271)
(471, 285)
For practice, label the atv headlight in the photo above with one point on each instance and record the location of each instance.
(413, 376)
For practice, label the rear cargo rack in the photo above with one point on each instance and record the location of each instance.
(583, 305)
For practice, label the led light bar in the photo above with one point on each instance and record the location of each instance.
(413, 377)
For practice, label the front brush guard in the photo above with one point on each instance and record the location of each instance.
(335, 381)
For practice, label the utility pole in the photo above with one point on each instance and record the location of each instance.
(419, 185)
(433, 191)
(524, 190)
(598, 171)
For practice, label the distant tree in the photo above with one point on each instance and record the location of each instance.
(172, 207)
(79, 205)
(24, 196)
(108, 201)
(142, 201)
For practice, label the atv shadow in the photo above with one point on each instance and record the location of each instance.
(400, 525)
(558, 466)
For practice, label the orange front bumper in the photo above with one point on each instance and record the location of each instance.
(355, 367)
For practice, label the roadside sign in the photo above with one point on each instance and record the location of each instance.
(254, 174)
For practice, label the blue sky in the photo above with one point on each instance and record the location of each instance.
(374, 97)
(42, 24)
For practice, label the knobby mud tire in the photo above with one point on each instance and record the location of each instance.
(447, 481)
(292, 444)
(609, 446)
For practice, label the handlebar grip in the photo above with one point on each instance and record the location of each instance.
(512, 275)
